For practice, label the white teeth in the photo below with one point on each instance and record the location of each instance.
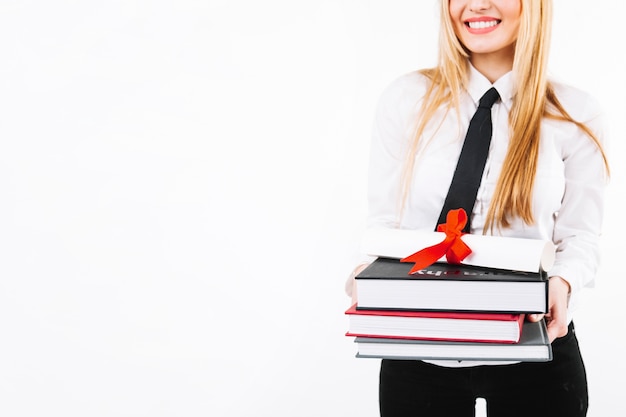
(482, 25)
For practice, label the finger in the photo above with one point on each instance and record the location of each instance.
(535, 317)
(556, 329)
(556, 324)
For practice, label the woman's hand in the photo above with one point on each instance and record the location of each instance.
(351, 282)
(556, 318)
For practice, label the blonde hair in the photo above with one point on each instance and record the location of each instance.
(534, 100)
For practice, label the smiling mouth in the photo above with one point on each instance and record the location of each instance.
(482, 24)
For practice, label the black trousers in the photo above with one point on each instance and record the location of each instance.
(556, 388)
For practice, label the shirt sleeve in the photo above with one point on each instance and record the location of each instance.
(391, 138)
(578, 223)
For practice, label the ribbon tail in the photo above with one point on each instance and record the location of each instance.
(427, 256)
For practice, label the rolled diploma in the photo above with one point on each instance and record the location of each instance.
(517, 254)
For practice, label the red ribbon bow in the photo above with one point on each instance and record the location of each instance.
(452, 246)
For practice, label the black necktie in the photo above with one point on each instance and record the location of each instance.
(469, 169)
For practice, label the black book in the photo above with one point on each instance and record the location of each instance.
(387, 284)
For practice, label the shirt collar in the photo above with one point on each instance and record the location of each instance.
(479, 84)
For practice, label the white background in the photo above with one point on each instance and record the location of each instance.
(182, 191)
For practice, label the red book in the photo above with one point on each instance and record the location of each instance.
(435, 325)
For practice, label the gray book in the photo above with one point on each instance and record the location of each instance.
(534, 346)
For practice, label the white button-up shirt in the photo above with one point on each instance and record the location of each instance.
(569, 186)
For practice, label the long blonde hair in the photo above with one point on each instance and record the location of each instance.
(534, 99)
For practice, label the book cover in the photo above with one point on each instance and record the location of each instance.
(533, 346)
(387, 284)
(477, 327)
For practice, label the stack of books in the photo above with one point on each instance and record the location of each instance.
(449, 312)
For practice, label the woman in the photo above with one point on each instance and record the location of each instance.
(543, 179)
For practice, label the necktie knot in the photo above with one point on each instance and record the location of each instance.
(490, 97)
